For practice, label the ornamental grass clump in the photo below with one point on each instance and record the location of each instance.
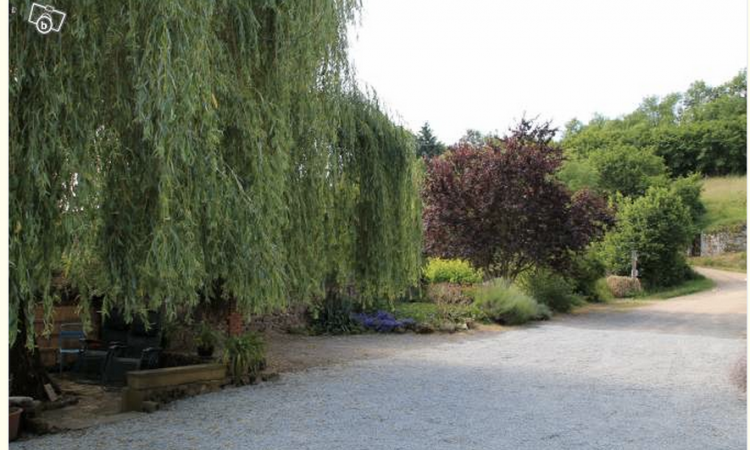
(245, 357)
(551, 289)
(503, 302)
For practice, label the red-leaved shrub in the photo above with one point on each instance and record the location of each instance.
(501, 207)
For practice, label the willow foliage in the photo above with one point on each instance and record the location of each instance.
(164, 149)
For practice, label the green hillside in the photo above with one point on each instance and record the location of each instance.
(726, 202)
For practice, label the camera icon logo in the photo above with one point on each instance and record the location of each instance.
(46, 18)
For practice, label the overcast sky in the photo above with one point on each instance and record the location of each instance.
(484, 63)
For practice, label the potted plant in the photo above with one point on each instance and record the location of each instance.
(15, 422)
(205, 341)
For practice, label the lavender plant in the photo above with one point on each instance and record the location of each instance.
(383, 322)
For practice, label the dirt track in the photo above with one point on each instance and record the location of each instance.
(720, 312)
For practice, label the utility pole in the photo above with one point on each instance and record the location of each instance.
(633, 264)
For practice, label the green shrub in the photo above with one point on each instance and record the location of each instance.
(659, 228)
(333, 315)
(422, 312)
(622, 287)
(586, 270)
(435, 315)
(551, 289)
(455, 271)
(603, 293)
(628, 170)
(503, 302)
(448, 293)
(207, 337)
(245, 357)
(459, 313)
(689, 190)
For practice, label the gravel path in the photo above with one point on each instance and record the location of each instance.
(654, 377)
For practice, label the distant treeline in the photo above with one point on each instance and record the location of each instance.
(703, 130)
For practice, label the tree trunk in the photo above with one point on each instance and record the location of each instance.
(27, 373)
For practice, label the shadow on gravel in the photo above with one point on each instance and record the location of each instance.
(728, 325)
(542, 396)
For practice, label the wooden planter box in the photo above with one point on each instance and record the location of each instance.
(171, 383)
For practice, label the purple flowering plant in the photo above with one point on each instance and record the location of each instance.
(382, 322)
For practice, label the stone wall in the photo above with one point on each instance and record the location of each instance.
(724, 241)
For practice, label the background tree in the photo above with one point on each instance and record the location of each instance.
(628, 170)
(572, 127)
(428, 145)
(472, 138)
(578, 174)
(162, 149)
(500, 207)
(689, 190)
(703, 130)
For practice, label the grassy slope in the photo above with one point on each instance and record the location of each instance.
(736, 262)
(726, 202)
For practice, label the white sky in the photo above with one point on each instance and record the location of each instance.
(482, 64)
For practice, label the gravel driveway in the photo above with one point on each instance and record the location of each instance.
(652, 377)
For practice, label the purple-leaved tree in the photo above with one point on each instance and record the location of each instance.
(501, 207)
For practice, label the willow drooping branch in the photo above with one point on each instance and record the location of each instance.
(159, 149)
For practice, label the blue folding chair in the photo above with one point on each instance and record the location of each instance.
(69, 332)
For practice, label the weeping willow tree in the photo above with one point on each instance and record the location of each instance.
(164, 149)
